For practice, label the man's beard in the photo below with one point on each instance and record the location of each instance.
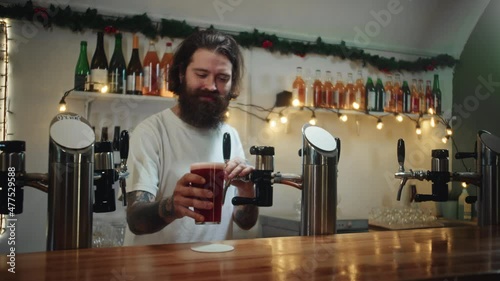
(200, 113)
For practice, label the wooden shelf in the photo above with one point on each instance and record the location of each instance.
(90, 96)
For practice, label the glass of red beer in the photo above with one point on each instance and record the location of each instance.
(213, 173)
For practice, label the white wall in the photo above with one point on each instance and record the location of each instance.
(41, 69)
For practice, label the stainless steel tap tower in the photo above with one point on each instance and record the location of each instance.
(320, 155)
(486, 177)
(71, 175)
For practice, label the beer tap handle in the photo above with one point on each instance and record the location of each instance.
(401, 155)
(337, 140)
(124, 142)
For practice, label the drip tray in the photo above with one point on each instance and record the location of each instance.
(289, 225)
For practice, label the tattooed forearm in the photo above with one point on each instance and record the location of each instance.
(245, 216)
(144, 214)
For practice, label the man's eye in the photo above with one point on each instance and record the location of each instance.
(201, 75)
(224, 78)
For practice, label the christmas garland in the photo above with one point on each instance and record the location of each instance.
(90, 19)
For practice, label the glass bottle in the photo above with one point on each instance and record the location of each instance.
(421, 96)
(299, 88)
(406, 97)
(380, 95)
(429, 98)
(415, 98)
(309, 97)
(151, 70)
(134, 70)
(436, 92)
(99, 66)
(388, 102)
(328, 90)
(397, 95)
(359, 89)
(338, 91)
(104, 134)
(317, 88)
(349, 94)
(82, 69)
(165, 63)
(371, 95)
(117, 68)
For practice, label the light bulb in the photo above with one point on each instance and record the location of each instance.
(283, 119)
(296, 102)
(448, 131)
(104, 89)
(355, 105)
(227, 114)
(399, 117)
(343, 117)
(444, 139)
(433, 122)
(272, 123)
(62, 107)
(418, 130)
(312, 121)
(464, 184)
(431, 111)
(380, 125)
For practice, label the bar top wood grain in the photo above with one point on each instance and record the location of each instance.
(460, 253)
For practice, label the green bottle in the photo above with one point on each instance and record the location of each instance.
(117, 68)
(436, 93)
(82, 70)
(380, 95)
(370, 95)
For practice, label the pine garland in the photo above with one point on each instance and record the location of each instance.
(91, 19)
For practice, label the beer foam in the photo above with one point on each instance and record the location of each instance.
(207, 165)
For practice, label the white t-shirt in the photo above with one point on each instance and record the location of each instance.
(162, 148)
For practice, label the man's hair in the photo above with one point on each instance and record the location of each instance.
(211, 40)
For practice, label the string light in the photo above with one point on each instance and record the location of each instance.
(355, 105)
(433, 122)
(62, 106)
(312, 121)
(283, 119)
(399, 117)
(449, 132)
(380, 125)
(296, 102)
(272, 123)
(343, 117)
(464, 184)
(431, 111)
(418, 130)
(227, 114)
(445, 139)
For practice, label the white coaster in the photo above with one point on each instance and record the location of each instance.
(213, 248)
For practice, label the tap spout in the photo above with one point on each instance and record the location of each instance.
(37, 180)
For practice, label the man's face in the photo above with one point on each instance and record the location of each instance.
(205, 91)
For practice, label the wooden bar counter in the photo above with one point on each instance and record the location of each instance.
(459, 253)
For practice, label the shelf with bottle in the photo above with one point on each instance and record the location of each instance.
(92, 96)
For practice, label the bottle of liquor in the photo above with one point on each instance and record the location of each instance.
(299, 88)
(134, 70)
(151, 69)
(317, 88)
(359, 89)
(99, 66)
(309, 97)
(116, 146)
(388, 102)
(82, 70)
(415, 98)
(397, 95)
(371, 95)
(421, 96)
(436, 92)
(338, 91)
(349, 94)
(429, 98)
(328, 90)
(165, 63)
(406, 97)
(380, 95)
(117, 68)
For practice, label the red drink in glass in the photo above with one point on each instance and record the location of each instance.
(214, 181)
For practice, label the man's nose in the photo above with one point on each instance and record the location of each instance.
(209, 84)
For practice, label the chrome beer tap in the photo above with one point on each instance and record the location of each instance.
(69, 182)
(320, 153)
(486, 177)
